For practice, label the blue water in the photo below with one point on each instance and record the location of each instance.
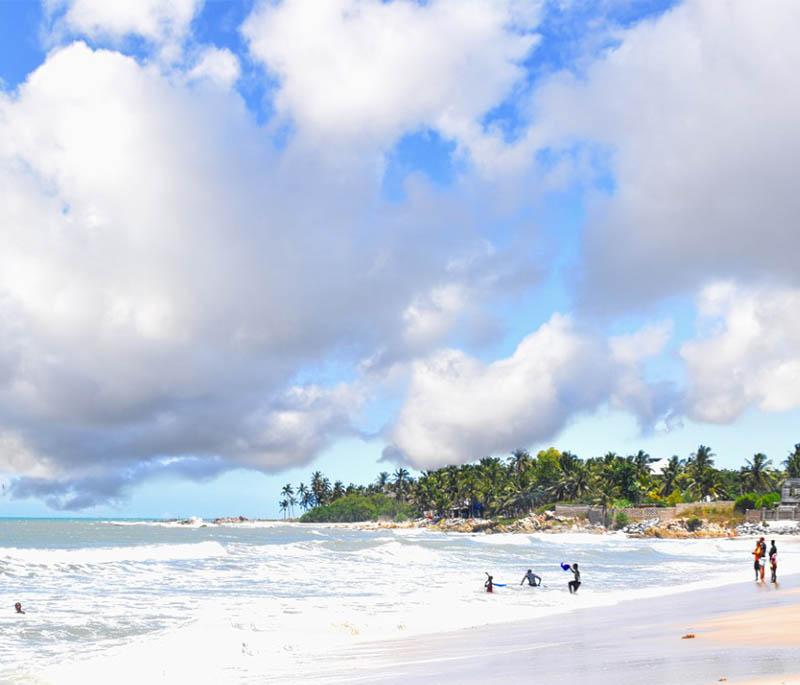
(134, 601)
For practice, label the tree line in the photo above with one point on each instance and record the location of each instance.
(523, 482)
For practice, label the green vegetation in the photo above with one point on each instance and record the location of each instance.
(693, 523)
(522, 483)
(753, 500)
(621, 520)
(356, 507)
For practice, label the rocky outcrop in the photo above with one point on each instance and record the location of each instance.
(679, 528)
(224, 520)
(764, 528)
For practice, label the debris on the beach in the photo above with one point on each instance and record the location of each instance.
(688, 636)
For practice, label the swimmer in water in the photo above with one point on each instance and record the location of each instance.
(18, 607)
(532, 578)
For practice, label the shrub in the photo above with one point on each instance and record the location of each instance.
(675, 497)
(621, 520)
(745, 502)
(352, 508)
(693, 524)
(770, 500)
(621, 503)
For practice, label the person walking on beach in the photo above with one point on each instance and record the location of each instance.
(532, 578)
(573, 585)
(773, 562)
(489, 585)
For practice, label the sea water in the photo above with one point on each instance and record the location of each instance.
(144, 601)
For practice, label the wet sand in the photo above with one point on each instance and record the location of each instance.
(744, 633)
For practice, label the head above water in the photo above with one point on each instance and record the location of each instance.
(18, 607)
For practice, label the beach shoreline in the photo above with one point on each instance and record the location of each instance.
(739, 633)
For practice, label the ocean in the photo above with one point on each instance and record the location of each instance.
(145, 601)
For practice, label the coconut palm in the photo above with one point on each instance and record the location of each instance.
(320, 487)
(703, 477)
(757, 475)
(401, 483)
(302, 496)
(284, 505)
(792, 463)
(382, 481)
(287, 492)
(670, 475)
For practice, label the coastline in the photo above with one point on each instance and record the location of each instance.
(679, 528)
(739, 637)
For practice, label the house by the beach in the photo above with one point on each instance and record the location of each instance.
(790, 492)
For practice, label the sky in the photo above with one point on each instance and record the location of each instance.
(243, 241)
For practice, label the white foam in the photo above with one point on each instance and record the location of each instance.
(111, 555)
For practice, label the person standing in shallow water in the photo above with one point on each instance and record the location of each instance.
(758, 553)
(574, 584)
(489, 585)
(532, 578)
(773, 562)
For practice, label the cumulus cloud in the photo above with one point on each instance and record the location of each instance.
(218, 65)
(747, 354)
(459, 408)
(167, 273)
(368, 70)
(697, 115)
(164, 23)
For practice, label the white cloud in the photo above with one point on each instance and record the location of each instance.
(368, 71)
(459, 408)
(166, 273)
(218, 65)
(646, 342)
(748, 353)
(698, 114)
(163, 22)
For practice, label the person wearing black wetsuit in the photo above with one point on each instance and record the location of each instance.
(532, 578)
(576, 583)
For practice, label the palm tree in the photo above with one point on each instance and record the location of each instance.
(338, 490)
(757, 474)
(304, 495)
(320, 486)
(520, 461)
(670, 474)
(793, 463)
(401, 483)
(701, 473)
(287, 492)
(284, 505)
(382, 481)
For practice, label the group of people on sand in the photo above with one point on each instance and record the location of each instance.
(760, 557)
(535, 581)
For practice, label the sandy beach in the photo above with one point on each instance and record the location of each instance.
(743, 633)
